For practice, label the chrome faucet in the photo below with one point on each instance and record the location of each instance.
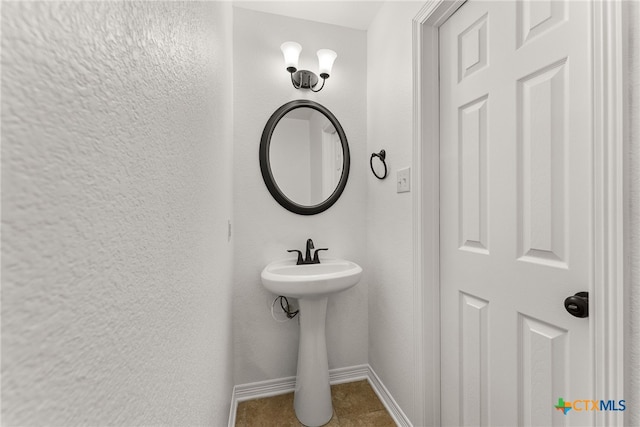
(307, 259)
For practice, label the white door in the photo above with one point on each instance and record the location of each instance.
(516, 224)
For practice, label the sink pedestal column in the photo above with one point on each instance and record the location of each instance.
(312, 400)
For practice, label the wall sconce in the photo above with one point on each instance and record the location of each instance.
(305, 79)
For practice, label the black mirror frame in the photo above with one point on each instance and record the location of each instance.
(265, 165)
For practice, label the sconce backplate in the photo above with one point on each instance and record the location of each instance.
(305, 79)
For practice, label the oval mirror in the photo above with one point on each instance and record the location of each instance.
(304, 157)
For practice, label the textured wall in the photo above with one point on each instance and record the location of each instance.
(632, 361)
(390, 247)
(263, 348)
(116, 189)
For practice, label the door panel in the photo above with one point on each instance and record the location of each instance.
(541, 165)
(472, 139)
(515, 235)
(474, 368)
(542, 369)
(535, 17)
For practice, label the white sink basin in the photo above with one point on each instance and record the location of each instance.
(310, 280)
(312, 284)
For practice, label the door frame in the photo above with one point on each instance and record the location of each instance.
(608, 76)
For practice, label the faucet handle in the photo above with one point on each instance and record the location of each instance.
(299, 255)
(315, 255)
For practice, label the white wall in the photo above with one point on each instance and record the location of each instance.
(116, 190)
(264, 349)
(389, 220)
(290, 157)
(632, 392)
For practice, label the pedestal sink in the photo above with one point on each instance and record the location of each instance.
(312, 284)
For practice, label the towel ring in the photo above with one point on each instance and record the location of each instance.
(381, 155)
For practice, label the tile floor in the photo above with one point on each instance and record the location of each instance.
(354, 404)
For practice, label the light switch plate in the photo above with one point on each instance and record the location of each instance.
(404, 180)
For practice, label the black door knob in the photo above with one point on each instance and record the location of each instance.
(578, 304)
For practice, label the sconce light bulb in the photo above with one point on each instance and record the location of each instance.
(291, 52)
(326, 57)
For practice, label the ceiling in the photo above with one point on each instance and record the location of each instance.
(352, 14)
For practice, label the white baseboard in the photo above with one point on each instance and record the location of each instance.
(275, 387)
(387, 400)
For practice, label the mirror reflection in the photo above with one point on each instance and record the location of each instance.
(306, 156)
